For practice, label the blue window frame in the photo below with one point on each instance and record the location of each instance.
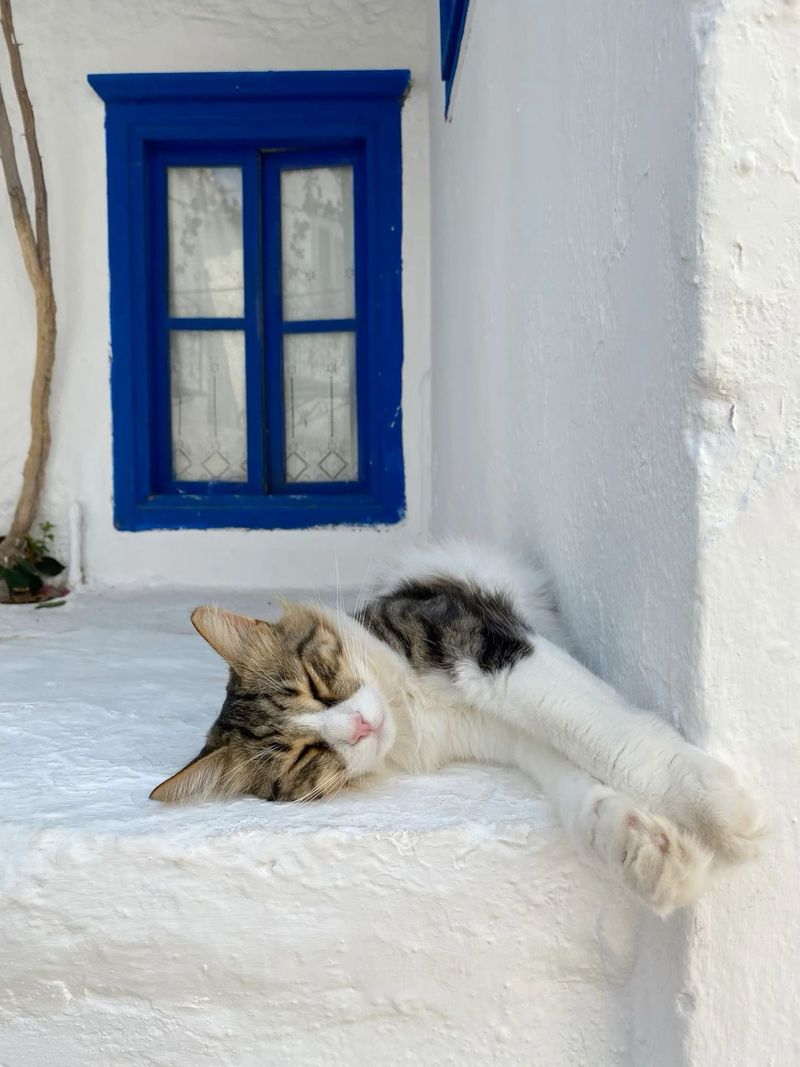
(252, 136)
(452, 20)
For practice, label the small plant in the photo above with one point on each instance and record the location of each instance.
(27, 577)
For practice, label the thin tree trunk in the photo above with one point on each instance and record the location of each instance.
(35, 248)
(29, 128)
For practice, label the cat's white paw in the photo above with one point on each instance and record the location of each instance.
(723, 813)
(708, 798)
(663, 865)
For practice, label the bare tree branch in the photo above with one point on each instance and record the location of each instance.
(16, 196)
(29, 127)
(36, 257)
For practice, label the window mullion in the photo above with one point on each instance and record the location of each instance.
(206, 324)
(273, 334)
(253, 311)
(319, 325)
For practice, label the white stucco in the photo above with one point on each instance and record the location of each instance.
(743, 945)
(62, 44)
(565, 328)
(563, 320)
(615, 265)
(428, 920)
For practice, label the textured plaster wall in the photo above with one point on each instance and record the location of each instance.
(61, 44)
(742, 993)
(564, 331)
(563, 314)
(616, 322)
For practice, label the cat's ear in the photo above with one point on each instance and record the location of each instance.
(227, 633)
(205, 777)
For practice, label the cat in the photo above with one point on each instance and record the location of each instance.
(460, 656)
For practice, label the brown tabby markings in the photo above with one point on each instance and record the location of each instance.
(278, 671)
(282, 671)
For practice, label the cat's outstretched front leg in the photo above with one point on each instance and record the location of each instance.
(664, 866)
(556, 700)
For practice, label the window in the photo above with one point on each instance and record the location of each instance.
(256, 327)
(452, 20)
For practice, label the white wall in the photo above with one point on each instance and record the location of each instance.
(563, 321)
(745, 941)
(62, 43)
(564, 326)
(616, 328)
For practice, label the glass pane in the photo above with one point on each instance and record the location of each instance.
(318, 265)
(206, 272)
(208, 406)
(320, 407)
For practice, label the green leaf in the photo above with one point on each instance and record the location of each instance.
(50, 604)
(26, 567)
(49, 566)
(14, 579)
(18, 579)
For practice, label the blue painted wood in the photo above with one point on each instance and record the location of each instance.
(367, 362)
(255, 378)
(156, 361)
(319, 326)
(207, 324)
(273, 337)
(452, 20)
(230, 86)
(290, 512)
(153, 121)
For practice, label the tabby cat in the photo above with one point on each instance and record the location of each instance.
(460, 657)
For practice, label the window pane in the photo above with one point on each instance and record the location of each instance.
(206, 273)
(208, 406)
(320, 406)
(318, 266)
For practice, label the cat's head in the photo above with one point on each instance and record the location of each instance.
(299, 720)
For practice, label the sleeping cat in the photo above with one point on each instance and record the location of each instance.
(459, 657)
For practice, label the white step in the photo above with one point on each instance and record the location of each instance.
(435, 920)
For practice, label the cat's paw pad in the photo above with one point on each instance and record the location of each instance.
(725, 815)
(663, 865)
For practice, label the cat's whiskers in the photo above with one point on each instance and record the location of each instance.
(354, 656)
(317, 792)
(340, 618)
(262, 756)
(365, 592)
(350, 658)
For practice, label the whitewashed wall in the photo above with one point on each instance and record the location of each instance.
(62, 43)
(616, 268)
(744, 943)
(564, 326)
(563, 314)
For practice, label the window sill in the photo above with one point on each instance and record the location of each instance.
(286, 512)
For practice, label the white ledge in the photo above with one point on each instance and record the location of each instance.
(431, 920)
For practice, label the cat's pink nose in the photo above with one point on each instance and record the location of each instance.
(361, 728)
